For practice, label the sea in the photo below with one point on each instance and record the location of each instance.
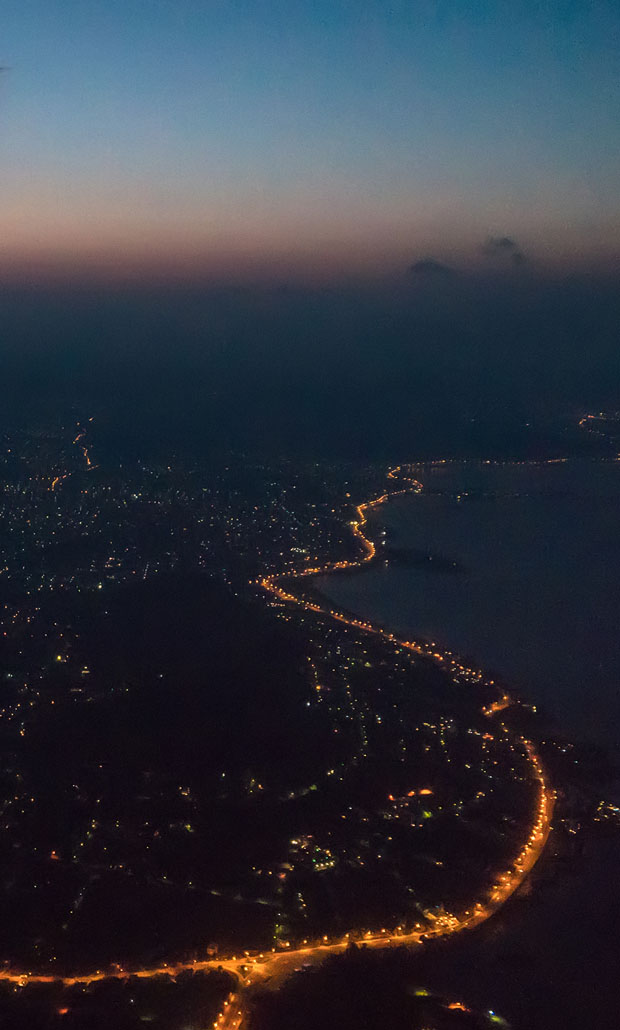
(516, 566)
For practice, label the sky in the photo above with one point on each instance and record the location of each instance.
(318, 140)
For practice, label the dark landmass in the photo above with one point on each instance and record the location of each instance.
(191, 999)
(363, 989)
(190, 766)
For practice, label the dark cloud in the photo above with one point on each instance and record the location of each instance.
(428, 268)
(503, 247)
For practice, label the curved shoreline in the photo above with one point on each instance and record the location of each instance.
(478, 912)
(509, 881)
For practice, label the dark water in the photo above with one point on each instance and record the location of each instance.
(535, 594)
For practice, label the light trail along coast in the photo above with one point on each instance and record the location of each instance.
(250, 968)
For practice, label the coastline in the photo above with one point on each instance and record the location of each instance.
(479, 911)
(541, 828)
(535, 594)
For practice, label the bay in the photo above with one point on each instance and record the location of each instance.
(516, 566)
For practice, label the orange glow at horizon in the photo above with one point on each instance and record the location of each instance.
(125, 233)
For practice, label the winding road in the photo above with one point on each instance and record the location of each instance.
(277, 965)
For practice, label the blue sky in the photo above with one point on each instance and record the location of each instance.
(325, 135)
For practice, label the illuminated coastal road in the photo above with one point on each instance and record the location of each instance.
(85, 454)
(275, 966)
